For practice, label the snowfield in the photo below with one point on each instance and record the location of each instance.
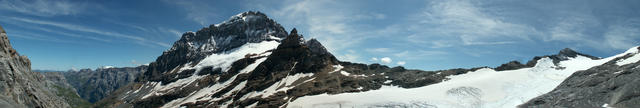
(483, 88)
(225, 59)
(632, 59)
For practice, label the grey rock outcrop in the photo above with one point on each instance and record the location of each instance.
(564, 54)
(58, 84)
(19, 87)
(611, 84)
(94, 85)
(512, 65)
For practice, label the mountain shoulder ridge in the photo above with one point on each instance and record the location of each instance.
(562, 55)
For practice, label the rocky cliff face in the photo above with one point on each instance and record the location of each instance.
(21, 88)
(58, 84)
(614, 84)
(94, 85)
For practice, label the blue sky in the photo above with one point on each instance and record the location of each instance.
(418, 34)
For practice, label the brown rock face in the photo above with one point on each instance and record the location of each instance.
(21, 88)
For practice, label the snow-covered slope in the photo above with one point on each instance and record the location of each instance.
(484, 88)
(614, 84)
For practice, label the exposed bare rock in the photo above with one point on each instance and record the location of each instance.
(21, 88)
(58, 84)
(617, 86)
(94, 85)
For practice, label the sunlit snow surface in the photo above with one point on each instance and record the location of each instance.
(225, 59)
(632, 59)
(483, 88)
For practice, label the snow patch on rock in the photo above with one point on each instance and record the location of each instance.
(225, 60)
(206, 93)
(283, 85)
(633, 59)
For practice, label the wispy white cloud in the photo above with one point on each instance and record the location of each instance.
(34, 27)
(468, 41)
(43, 7)
(164, 30)
(373, 59)
(72, 27)
(350, 56)
(386, 60)
(577, 30)
(401, 63)
(378, 50)
(462, 22)
(38, 37)
(477, 52)
(419, 54)
(572, 28)
(197, 11)
(433, 43)
(331, 22)
(622, 37)
(145, 29)
(174, 32)
(402, 54)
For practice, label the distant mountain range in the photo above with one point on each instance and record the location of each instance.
(94, 85)
(252, 61)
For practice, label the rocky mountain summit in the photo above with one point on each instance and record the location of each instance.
(21, 88)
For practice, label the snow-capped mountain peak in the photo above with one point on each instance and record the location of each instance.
(219, 39)
(245, 17)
